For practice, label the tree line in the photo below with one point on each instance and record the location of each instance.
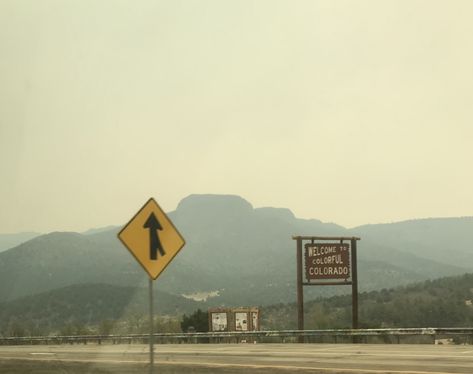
(445, 302)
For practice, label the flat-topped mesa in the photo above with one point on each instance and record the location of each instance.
(217, 204)
(282, 213)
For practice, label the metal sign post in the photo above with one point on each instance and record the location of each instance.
(151, 328)
(326, 264)
(154, 241)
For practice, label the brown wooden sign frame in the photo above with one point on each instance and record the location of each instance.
(301, 270)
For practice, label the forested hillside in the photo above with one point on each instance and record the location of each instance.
(445, 302)
(87, 308)
(92, 308)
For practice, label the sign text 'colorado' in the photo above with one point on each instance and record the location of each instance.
(327, 261)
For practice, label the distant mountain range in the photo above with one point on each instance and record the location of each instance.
(8, 241)
(245, 254)
(444, 240)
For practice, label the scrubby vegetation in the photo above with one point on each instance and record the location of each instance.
(445, 302)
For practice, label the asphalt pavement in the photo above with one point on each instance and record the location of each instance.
(239, 358)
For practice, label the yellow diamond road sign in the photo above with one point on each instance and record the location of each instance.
(151, 237)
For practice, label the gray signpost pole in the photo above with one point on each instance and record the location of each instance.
(151, 329)
(146, 244)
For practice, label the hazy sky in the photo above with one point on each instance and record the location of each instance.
(347, 111)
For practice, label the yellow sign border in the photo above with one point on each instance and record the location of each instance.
(131, 251)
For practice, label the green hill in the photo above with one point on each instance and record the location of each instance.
(91, 308)
(84, 306)
(445, 240)
(8, 241)
(444, 302)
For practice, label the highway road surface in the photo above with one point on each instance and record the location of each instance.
(239, 358)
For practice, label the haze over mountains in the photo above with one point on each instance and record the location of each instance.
(247, 255)
(8, 241)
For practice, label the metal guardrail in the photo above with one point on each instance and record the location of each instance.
(396, 335)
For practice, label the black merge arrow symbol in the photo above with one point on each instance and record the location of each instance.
(155, 245)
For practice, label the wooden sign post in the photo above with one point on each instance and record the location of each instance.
(327, 263)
